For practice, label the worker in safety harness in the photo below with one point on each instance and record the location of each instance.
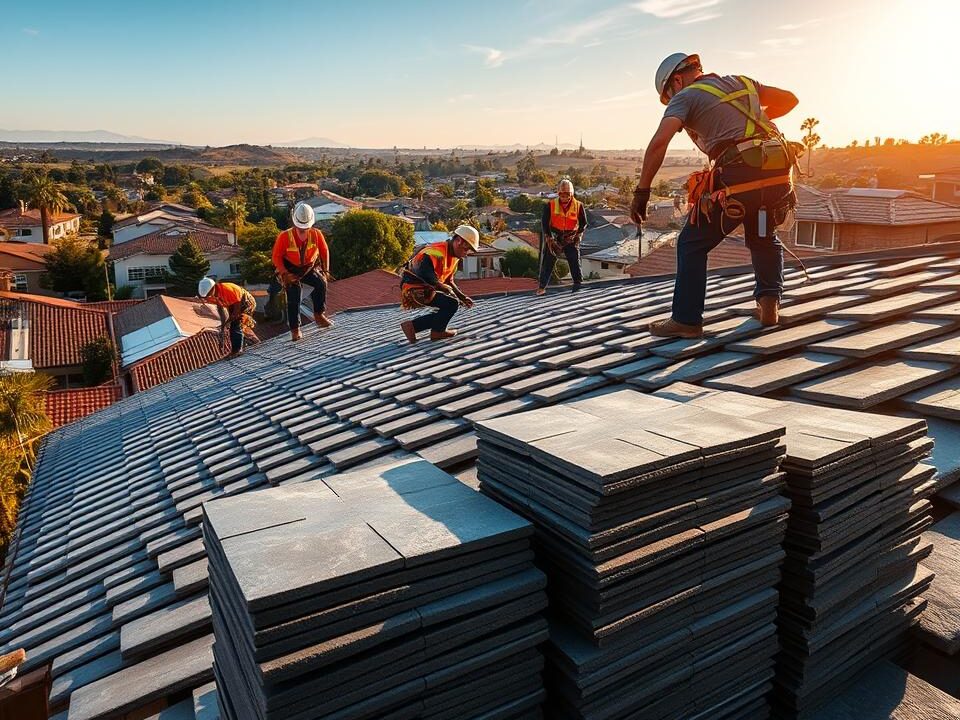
(301, 257)
(427, 280)
(234, 305)
(749, 181)
(563, 222)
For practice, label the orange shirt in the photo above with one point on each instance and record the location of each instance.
(226, 294)
(290, 252)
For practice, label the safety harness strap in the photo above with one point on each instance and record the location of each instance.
(750, 109)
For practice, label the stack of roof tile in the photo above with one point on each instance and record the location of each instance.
(390, 592)
(851, 578)
(660, 527)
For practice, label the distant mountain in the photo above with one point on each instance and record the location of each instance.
(313, 142)
(539, 147)
(75, 136)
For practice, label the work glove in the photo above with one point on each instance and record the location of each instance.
(638, 208)
(467, 302)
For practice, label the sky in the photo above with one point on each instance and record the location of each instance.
(380, 73)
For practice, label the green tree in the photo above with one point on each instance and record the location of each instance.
(150, 166)
(662, 189)
(99, 356)
(236, 214)
(105, 224)
(365, 240)
(194, 197)
(526, 169)
(256, 246)
(520, 262)
(460, 211)
(45, 195)
(811, 139)
(76, 265)
(187, 266)
(445, 189)
(483, 196)
(439, 226)
(520, 203)
(380, 182)
(23, 421)
(934, 139)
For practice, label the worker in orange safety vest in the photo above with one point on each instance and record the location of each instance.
(563, 223)
(234, 305)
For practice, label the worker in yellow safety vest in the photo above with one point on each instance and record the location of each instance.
(427, 280)
(749, 181)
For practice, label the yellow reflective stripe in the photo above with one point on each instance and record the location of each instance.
(433, 252)
(753, 116)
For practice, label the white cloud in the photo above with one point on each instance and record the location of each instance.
(673, 8)
(780, 43)
(31, 31)
(703, 17)
(493, 57)
(797, 26)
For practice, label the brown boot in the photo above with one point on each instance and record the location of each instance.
(408, 331)
(768, 310)
(322, 320)
(295, 334)
(11, 660)
(442, 334)
(671, 328)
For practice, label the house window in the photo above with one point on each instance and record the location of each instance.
(25, 232)
(19, 282)
(234, 268)
(145, 273)
(604, 266)
(816, 235)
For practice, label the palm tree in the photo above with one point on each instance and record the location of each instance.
(45, 195)
(236, 214)
(23, 420)
(811, 139)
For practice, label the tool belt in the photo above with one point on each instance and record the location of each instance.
(704, 192)
(414, 297)
(556, 243)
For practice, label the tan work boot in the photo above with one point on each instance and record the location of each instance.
(541, 291)
(408, 331)
(671, 328)
(295, 334)
(768, 310)
(322, 320)
(442, 334)
(12, 659)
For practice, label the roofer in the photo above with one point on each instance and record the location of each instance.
(749, 181)
(301, 257)
(427, 279)
(234, 305)
(563, 222)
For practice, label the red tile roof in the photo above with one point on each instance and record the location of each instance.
(663, 260)
(58, 328)
(195, 352)
(11, 219)
(380, 287)
(23, 256)
(65, 406)
(165, 242)
(868, 206)
(112, 306)
(529, 237)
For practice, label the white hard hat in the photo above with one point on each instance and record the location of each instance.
(303, 216)
(470, 234)
(205, 286)
(668, 67)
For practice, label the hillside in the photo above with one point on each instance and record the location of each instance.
(894, 166)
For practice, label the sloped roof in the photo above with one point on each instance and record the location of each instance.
(109, 570)
(382, 287)
(191, 315)
(867, 206)
(12, 219)
(663, 260)
(166, 242)
(23, 256)
(67, 406)
(58, 328)
(113, 306)
(172, 212)
(625, 251)
(194, 352)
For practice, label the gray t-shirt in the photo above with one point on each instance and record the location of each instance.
(709, 122)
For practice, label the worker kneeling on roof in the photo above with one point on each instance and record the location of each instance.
(301, 257)
(427, 280)
(234, 305)
(749, 181)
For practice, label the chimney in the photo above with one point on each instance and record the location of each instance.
(6, 278)
(23, 208)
